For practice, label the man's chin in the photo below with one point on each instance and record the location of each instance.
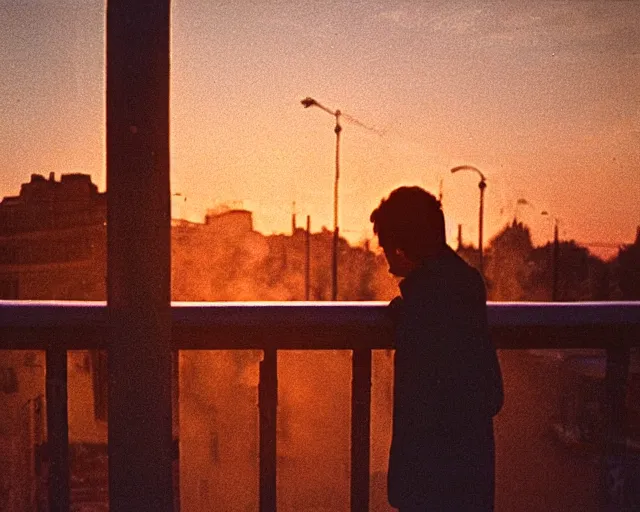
(396, 273)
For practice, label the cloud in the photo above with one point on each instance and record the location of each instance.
(397, 16)
(594, 26)
(447, 18)
(601, 27)
(459, 22)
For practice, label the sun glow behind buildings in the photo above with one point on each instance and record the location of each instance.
(538, 97)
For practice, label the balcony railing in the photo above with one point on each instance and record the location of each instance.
(56, 327)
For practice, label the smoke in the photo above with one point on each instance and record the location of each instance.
(219, 389)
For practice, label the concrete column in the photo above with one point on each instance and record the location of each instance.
(138, 248)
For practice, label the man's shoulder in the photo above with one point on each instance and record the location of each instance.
(449, 274)
(456, 269)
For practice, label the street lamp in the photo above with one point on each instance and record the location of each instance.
(310, 102)
(482, 185)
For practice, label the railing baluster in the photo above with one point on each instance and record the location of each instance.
(360, 429)
(615, 442)
(175, 407)
(268, 405)
(57, 429)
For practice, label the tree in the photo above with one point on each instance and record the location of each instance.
(581, 276)
(628, 269)
(507, 262)
(470, 254)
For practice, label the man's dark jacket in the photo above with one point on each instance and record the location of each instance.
(448, 387)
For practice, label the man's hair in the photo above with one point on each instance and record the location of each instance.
(410, 219)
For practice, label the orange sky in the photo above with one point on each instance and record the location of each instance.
(543, 99)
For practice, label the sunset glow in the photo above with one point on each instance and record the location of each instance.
(542, 98)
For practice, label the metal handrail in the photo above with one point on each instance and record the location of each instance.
(285, 325)
(58, 326)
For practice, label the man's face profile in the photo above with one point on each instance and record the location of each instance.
(399, 264)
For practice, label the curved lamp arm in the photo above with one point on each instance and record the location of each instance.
(470, 168)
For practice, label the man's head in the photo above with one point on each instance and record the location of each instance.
(410, 228)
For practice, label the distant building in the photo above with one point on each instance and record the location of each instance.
(230, 223)
(47, 204)
(52, 246)
(53, 240)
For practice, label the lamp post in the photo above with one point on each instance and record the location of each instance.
(482, 185)
(310, 102)
(556, 257)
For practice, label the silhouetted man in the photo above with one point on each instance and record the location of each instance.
(447, 384)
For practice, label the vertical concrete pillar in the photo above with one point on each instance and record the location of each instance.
(138, 249)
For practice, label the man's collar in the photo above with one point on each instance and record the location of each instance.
(417, 276)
